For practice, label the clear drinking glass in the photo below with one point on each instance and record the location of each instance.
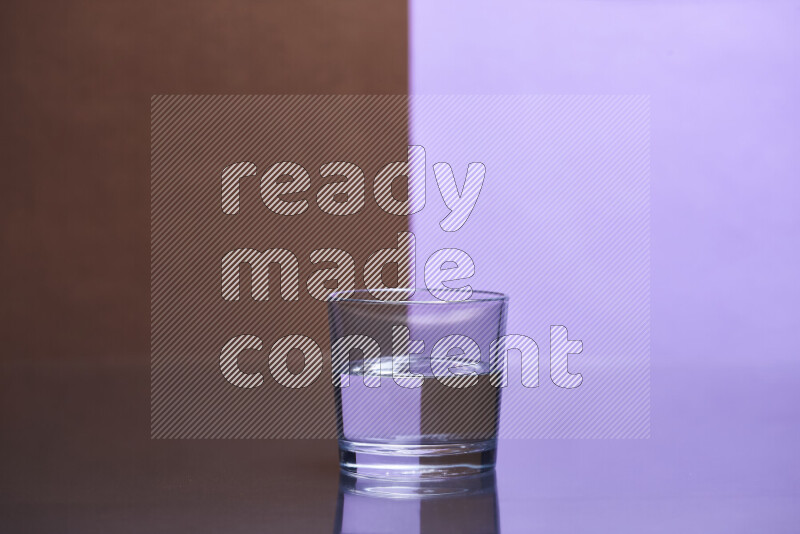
(416, 383)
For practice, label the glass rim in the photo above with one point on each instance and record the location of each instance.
(369, 298)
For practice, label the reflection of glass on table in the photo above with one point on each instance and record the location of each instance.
(467, 505)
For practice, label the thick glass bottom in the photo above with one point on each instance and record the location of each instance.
(403, 461)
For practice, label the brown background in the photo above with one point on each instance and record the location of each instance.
(193, 140)
(77, 82)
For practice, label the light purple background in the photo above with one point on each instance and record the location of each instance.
(723, 80)
(562, 225)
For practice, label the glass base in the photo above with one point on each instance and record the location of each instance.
(402, 461)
